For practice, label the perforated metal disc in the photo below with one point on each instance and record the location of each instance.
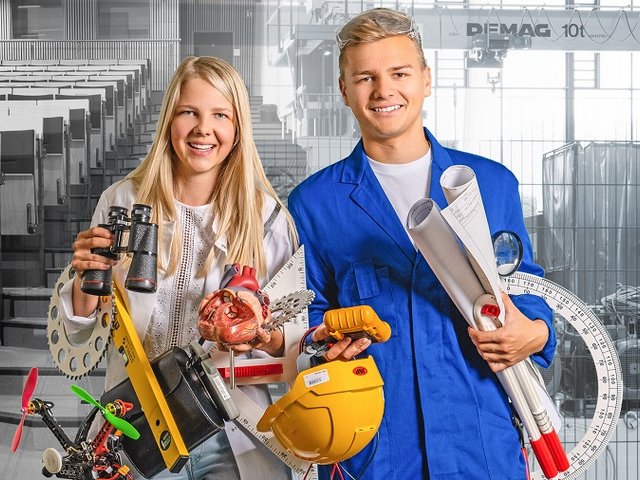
(287, 307)
(76, 357)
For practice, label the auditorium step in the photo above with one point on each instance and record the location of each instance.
(128, 164)
(15, 363)
(78, 189)
(146, 137)
(20, 269)
(26, 463)
(26, 301)
(138, 149)
(27, 332)
(53, 273)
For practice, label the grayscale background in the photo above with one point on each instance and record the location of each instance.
(551, 89)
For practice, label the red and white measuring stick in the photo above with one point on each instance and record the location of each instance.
(519, 386)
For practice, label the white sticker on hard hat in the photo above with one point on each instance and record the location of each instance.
(316, 378)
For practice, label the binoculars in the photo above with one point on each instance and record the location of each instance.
(142, 247)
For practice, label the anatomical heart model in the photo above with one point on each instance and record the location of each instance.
(232, 314)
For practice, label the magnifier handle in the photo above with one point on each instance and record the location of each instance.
(486, 312)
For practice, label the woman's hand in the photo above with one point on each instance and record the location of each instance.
(87, 240)
(516, 340)
(83, 260)
(269, 341)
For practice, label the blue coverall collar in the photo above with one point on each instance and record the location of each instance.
(357, 164)
(368, 192)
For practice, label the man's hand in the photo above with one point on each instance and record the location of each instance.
(344, 349)
(519, 338)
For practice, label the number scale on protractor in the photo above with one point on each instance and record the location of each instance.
(605, 359)
(289, 278)
(249, 416)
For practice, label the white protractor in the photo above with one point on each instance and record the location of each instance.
(605, 359)
(290, 278)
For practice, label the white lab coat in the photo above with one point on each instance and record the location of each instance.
(252, 459)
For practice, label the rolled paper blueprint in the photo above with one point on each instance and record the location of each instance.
(439, 246)
(467, 218)
(445, 254)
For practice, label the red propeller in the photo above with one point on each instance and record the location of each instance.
(29, 387)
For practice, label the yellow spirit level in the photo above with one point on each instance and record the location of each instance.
(152, 400)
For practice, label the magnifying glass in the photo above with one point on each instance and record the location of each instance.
(508, 250)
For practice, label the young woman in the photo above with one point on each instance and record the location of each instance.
(213, 205)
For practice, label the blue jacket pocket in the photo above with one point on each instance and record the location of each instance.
(373, 287)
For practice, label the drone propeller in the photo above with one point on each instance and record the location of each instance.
(29, 387)
(119, 423)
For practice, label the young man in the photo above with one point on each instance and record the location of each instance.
(446, 416)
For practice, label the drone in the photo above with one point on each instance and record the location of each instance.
(83, 459)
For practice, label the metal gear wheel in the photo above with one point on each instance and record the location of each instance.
(287, 307)
(78, 357)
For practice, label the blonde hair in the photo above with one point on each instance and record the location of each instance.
(377, 24)
(241, 185)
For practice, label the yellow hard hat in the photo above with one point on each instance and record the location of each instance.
(331, 413)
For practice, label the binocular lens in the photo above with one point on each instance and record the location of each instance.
(140, 213)
(142, 275)
(117, 215)
(96, 282)
(142, 248)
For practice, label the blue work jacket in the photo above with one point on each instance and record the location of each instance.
(446, 416)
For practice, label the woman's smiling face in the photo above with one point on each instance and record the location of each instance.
(203, 130)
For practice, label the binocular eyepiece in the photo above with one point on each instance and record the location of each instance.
(142, 247)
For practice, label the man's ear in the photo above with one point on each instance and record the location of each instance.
(427, 81)
(342, 91)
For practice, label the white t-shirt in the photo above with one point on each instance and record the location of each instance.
(404, 183)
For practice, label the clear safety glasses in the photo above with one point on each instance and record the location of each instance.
(395, 23)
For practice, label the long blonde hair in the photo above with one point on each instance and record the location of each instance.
(241, 185)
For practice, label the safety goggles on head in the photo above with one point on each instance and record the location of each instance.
(395, 23)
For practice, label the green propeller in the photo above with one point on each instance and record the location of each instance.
(119, 423)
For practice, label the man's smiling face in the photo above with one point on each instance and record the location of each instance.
(385, 84)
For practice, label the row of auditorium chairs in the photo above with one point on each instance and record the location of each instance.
(61, 144)
(56, 126)
(125, 95)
